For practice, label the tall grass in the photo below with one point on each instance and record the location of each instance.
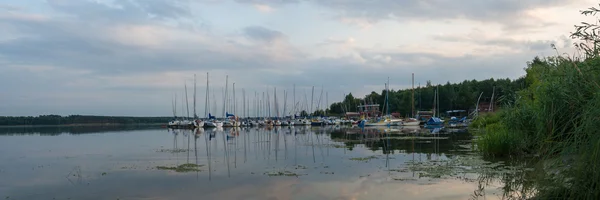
(558, 118)
(484, 120)
(496, 140)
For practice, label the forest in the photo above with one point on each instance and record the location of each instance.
(452, 96)
(78, 119)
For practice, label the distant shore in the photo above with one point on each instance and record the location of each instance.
(85, 124)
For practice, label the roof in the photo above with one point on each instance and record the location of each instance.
(370, 105)
(435, 119)
(455, 111)
(352, 113)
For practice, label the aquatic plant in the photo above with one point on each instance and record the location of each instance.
(188, 167)
(282, 173)
(484, 120)
(365, 159)
(496, 140)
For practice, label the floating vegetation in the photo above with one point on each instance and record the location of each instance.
(327, 172)
(326, 145)
(104, 173)
(403, 179)
(188, 167)
(301, 167)
(283, 173)
(456, 167)
(398, 170)
(172, 150)
(364, 159)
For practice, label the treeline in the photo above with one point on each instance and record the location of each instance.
(78, 119)
(452, 96)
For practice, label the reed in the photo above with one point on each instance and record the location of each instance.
(556, 117)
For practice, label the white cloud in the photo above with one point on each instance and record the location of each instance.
(107, 54)
(263, 8)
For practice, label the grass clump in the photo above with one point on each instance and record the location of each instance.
(364, 159)
(497, 140)
(188, 167)
(283, 173)
(484, 120)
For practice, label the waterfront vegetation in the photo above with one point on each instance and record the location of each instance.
(556, 119)
(78, 119)
(452, 96)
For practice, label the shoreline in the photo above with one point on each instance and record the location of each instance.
(80, 125)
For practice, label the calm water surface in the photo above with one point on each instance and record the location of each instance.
(244, 163)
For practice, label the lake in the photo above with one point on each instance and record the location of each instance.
(248, 163)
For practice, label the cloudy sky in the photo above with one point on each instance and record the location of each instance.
(130, 57)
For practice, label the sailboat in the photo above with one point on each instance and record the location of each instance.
(197, 121)
(230, 119)
(212, 121)
(387, 120)
(175, 122)
(435, 120)
(412, 121)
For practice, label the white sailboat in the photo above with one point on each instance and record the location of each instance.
(175, 122)
(386, 120)
(212, 122)
(412, 121)
(197, 121)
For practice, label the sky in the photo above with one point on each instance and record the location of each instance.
(132, 57)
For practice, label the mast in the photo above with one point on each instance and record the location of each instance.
(387, 94)
(275, 102)
(437, 101)
(225, 95)
(195, 115)
(175, 106)
(295, 101)
(234, 101)
(319, 104)
(244, 104)
(214, 101)
(269, 104)
(311, 100)
(477, 105)
(491, 108)
(412, 112)
(207, 102)
(187, 107)
(434, 101)
(420, 100)
(326, 102)
(284, 103)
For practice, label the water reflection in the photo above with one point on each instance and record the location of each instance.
(261, 163)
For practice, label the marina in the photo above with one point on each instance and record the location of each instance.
(325, 162)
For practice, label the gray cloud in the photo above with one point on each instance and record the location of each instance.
(510, 13)
(10, 7)
(89, 44)
(131, 10)
(263, 34)
(269, 2)
(92, 70)
(534, 45)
